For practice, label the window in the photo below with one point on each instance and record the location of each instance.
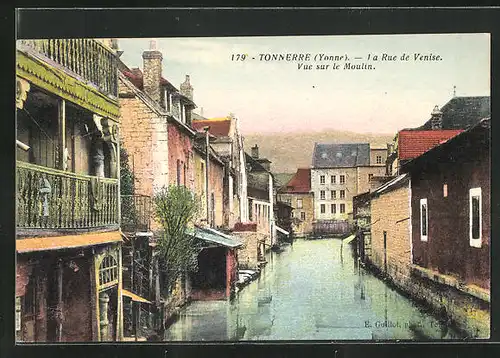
(423, 220)
(18, 314)
(322, 179)
(302, 216)
(342, 208)
(475, 217)
(322, 208)
(185, 174)
(108, 271)
(333, 193)
(342, 179)
(342, 194)
(333, 179)
(322, 195)
(178, 172)
(445, 190)
(379, 159)
(299, 203)
(370, 176)
(333, 208)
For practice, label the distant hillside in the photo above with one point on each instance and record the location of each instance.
(289, 151)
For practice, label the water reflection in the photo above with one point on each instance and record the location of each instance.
(315, 290)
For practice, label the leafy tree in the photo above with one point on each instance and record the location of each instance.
(176, 209)
(126, 174)
(127, 189)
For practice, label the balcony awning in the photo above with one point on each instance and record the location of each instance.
(214, 236)
(66, 242)
(134, 297)
(282, 230)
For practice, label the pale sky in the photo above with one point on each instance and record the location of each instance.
(278, 97)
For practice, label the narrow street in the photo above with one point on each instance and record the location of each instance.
(311, 291)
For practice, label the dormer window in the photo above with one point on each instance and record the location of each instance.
(168, 100)
(182, 112)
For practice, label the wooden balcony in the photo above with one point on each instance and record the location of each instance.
(135, 213)
(55, 200)
(90, 60)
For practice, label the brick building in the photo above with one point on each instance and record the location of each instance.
(458, 114)
(227, 142)
(339, 172)
(158, 138)
(450, 227)
(297, 193)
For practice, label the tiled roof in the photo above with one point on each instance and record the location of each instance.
(412, 143)
(463, 112)
(218, 128)
(300, 182)
(341, 155)
(467, 143)
(136, 77)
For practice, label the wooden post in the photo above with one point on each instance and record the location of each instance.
(59, 299)
(207, 159)
(135, 313)
(61, 125)
(385, 251)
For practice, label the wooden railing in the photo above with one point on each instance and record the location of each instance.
(87, 58)
(54, 199)
(135, 213)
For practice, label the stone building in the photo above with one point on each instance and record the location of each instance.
(339, 172)
(430, 230)
(69, 266)
(458, 114)
(297, 193)
(227, 142)
(158, 138)
(450, 228)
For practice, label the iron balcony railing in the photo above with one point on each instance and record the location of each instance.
(54, 199)
(89, 59)
(135, 212)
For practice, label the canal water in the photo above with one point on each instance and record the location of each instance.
(313, 290)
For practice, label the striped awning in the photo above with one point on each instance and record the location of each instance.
(134, 297)
(214, 236)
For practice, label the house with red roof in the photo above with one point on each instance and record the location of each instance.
(162, 145)
(455, 116)
(227, 141)
(428, 228)
(297, 193)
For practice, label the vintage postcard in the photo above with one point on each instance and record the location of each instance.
(271, 188)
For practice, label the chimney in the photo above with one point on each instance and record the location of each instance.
(186, 88)
(152, 71)
(255, 152)
(436, 118)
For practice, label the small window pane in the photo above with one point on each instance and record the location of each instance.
(475, 217)
(424, 219)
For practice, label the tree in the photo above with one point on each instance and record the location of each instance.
(176, 208)
(127, 190)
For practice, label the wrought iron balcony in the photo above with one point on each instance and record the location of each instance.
(135, 212)
(90, 60)
(54, 199)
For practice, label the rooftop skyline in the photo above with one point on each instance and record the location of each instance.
(276, 96)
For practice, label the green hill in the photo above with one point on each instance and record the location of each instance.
(289, 151)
